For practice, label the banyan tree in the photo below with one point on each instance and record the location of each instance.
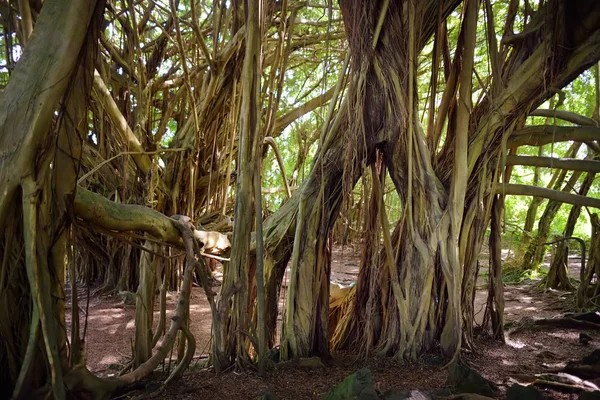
(129, 131)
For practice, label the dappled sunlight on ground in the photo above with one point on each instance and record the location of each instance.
(566, 335)
(109, 360)
(111, 327)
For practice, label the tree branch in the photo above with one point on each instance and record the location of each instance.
(543, 134)
(99, 211)
(551, 162)
(282, 122)
(563, 197)
(565, 116)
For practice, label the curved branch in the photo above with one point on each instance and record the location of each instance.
(100, 211)
(282, 122)
(104, 213)
(565, 116)
(551, 162)
(543, 134)
(563, 197)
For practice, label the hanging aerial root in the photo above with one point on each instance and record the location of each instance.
(39, 280)
(187, 358)
(79, 379)
(33, 337)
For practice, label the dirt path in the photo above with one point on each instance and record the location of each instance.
(111, 328)
(111, 322)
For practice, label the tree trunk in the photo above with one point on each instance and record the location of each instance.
(585, 291)
(494, 311)
(419, 290)
(321, 191)
(306, 316)
(229, 344)
(55, 70)
(144, 306)
(557, 277)
(534, 254)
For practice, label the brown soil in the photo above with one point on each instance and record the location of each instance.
(111, 324)
(111, 327)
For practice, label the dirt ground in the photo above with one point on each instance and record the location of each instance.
(111, 328)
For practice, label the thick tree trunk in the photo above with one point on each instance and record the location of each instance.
(306, 316)
(494, 311)
(228, 343)
(279, 233)
(418, 272)
(36, 201)
(424, 247)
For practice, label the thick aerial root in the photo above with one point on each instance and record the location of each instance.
(31, 344)
(39, 281)
(189, 353)
(79, 379)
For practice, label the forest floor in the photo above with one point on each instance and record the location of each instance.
(110, 329)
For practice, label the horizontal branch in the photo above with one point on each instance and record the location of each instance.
(277, 190)
(101, 212)
(551, 162)
(565, 116)
(282, 122)
(536, 191)
(543, 134)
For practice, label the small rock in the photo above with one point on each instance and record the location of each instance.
(268, 395)
(128, 298)
(520, 392)
(467, 380)
(368, 394)
(584, 339)
(115, 367)
(273, 354)
(358, 386)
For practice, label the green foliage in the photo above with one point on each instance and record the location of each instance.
(515, 276)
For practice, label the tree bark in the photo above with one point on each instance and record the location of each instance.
(495, 302)
(557, 277)
(235, 280)
(417, 279)
(36, 200)
(534, 254)
(550, 162)
(585, 291)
